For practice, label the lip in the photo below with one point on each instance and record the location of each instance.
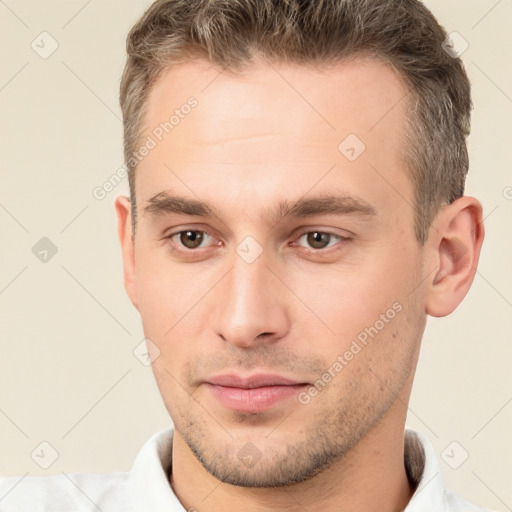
(251, 381)
(255, 393)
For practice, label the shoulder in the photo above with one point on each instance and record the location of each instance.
(458, 504)
(424, 472)
(145, 483)
(64, 492)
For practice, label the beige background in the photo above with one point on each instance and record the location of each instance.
(68, 373)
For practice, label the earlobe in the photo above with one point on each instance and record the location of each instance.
(456, 240)
(124, 230)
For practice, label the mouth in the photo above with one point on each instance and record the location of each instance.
(254, 393)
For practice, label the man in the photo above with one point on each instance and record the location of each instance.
(297, 172)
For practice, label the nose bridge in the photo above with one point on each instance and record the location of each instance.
(248, 283)
(249, 303)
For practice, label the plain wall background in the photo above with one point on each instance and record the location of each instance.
(68, 331)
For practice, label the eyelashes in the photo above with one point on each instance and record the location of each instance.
(316, 239)
(312, 241)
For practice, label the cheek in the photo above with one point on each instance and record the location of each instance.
(168, 292)
(349, 299)
(175, 304)
(374, 356)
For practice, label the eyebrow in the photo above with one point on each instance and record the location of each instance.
(164, 203)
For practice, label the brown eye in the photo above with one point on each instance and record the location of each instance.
(318, 240)
(191, 239)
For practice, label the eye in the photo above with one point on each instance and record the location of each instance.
(319, 239)
(190, 239)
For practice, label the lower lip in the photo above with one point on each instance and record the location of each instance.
(255, 399)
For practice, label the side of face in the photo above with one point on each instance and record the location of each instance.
(336, 290)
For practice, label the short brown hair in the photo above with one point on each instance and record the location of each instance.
(403, 33)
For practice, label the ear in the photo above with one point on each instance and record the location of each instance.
(124, 230)
(455, 240)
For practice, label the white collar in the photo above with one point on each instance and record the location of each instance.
(152, 491)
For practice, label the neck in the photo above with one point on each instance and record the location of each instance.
(371, 476)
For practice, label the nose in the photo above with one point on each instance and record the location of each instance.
(250, 305)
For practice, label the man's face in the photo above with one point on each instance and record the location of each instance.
(303, 256)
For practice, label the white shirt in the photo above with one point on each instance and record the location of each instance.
(146, 488)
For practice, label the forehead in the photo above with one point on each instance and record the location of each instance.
(358, 92)
(274, 125)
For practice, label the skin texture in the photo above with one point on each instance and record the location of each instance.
(252, 142)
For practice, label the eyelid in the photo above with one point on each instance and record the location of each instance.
(295, 238)
(341, 240)
(177, 230)
(333, 235)
(189, 227)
